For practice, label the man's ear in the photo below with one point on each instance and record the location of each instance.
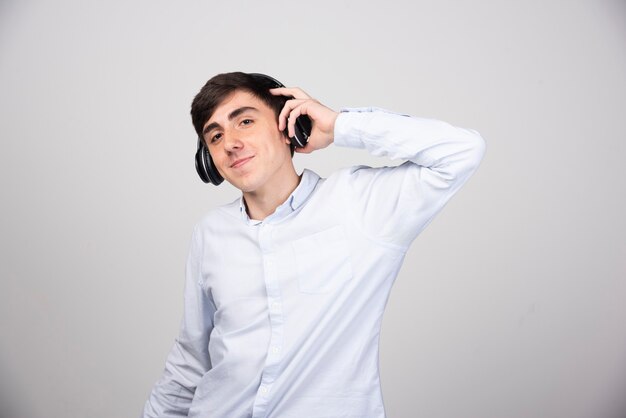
(292, 147)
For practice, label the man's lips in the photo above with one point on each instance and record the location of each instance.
(238, 163)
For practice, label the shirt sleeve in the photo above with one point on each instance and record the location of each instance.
(188, 360)
(394, 204)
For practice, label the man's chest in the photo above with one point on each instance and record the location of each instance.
(294, 262)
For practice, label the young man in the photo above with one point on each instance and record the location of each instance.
(286, 286)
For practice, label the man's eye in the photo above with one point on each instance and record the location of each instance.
(216, 137)
(246, 121)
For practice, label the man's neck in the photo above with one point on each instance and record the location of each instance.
(263, 202)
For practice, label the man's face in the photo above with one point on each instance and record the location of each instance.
(244, 141)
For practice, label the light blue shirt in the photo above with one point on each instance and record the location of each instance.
(282, 316)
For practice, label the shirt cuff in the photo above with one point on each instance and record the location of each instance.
(345, 135)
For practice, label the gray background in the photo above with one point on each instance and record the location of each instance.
(510, 304)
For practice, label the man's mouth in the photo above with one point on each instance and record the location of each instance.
(238, 163)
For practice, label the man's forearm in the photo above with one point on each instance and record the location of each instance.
(437, 145)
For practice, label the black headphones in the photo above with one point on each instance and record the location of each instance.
(204, 163)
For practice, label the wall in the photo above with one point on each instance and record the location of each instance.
(510, 304)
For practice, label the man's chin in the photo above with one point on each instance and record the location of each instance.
(244, 185)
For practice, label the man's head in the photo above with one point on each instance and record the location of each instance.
(237, 117)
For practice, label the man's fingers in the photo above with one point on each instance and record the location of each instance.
(293, 115)
(288, 115)
(301, 107)
(286, 112)
(295, 92)
(299, 103)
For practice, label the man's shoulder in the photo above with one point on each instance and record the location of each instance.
(220, 215)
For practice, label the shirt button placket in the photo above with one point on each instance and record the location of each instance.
(276, 320)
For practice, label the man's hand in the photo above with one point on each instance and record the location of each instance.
(322, 118)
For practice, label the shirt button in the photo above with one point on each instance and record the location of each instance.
(275, 306)
(263, 390)
(275, 350)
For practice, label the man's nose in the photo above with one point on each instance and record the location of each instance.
(232, 142)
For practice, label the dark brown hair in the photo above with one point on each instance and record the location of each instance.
(221, 86)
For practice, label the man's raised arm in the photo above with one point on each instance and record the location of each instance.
(393, 204)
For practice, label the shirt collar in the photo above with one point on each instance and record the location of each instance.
(308, 181)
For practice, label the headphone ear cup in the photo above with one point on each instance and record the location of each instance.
(205, 167)
(302, 130)
(214, 175)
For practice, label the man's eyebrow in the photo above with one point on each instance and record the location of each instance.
(232, 115)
